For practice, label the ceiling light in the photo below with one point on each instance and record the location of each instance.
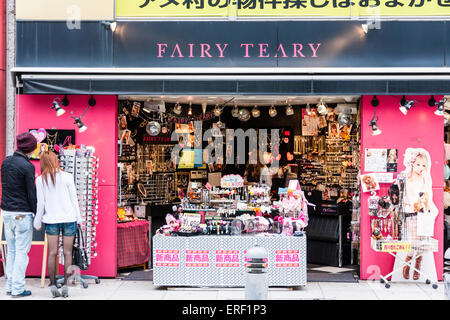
(59, 110)
(255, 112)
(109, 25)
(289, 110)
(217, 110)
(440, 109)
(65, 101)
(404, 108)
(177, 109)
(373, 123)
(81, 126)
(190, 109)
(235, 111)
(92, 101)
(244, 114)
(432, 102)
(365, 27)
(272, 111)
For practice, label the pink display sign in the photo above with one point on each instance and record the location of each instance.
(287, 258)
(419, 129)
(167, 258)
(227, 258)
(197, 258)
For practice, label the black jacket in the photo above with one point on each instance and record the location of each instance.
(18, 184)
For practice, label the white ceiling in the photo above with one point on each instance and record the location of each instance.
(243, 100)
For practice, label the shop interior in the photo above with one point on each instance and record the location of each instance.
(319, 147)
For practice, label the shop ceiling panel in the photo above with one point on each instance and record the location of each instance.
(350, 87)
(275, 87)
(52, 44)
(195, 44)
(344, 44)
(67, 10)
(200, 87)
(132, 87)
(419, 87)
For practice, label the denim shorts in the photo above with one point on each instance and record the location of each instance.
(68, 229)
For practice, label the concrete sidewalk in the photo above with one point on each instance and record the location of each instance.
(117, 289)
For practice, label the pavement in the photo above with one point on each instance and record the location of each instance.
(118, 289)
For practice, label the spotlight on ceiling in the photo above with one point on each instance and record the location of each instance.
(406, 106)
(92, 101)
(432, 102)
(65, 101)
(289, 110)
(109, 25)
(80, 124)
(190, 109)
(308, 110)
(59, 110)
(440, 107)
(373, 123)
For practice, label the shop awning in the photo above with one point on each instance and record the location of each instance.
(234, 84)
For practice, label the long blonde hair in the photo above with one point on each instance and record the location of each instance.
(49, 166)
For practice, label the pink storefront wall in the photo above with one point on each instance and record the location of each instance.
(33, 111)
(420, 128)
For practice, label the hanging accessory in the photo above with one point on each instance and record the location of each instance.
(79, 255)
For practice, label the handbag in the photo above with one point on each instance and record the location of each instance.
(79, 255)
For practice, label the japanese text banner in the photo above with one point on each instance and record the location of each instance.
(248, 8)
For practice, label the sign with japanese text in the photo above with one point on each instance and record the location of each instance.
(396, 246)
(227, 258)
(197, 258)
(287, 258)
(248, 8)
(167, 258)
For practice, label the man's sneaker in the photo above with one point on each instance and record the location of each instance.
(25, 293)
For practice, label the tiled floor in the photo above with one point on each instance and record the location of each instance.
(112, 289)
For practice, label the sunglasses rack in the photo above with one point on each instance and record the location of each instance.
(83, 165)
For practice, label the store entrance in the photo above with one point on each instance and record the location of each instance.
(313, 140)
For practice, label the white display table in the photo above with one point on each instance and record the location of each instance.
(219, 261)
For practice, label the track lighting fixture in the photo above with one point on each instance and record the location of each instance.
(92, 101)
(432, 102)
(109, 25)
(404, 108)
(375, 102)
(373, 123)
(65, 101)
(81, 126)
(59, 110)
(440, 107)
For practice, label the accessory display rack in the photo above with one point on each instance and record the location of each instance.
(83, 165)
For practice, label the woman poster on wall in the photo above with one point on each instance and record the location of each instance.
(420, 215)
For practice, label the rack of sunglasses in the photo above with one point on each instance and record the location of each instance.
(83, 165)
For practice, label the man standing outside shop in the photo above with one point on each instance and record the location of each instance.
(18, 207)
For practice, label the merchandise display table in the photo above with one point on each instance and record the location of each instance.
(132, 243)
(219, 261)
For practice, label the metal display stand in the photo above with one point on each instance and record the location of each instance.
(429, 244)
(83, 165)
(219, 261)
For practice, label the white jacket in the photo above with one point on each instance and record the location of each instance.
(56, 203)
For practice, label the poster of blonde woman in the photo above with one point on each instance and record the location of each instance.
(420, 216)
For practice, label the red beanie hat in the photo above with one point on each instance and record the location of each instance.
(26, 142)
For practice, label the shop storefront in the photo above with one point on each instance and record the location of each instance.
(342, 85)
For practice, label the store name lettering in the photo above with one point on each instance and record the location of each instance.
(248, 50)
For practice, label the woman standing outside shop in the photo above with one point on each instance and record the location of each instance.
(420, 211)
(58, 209)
